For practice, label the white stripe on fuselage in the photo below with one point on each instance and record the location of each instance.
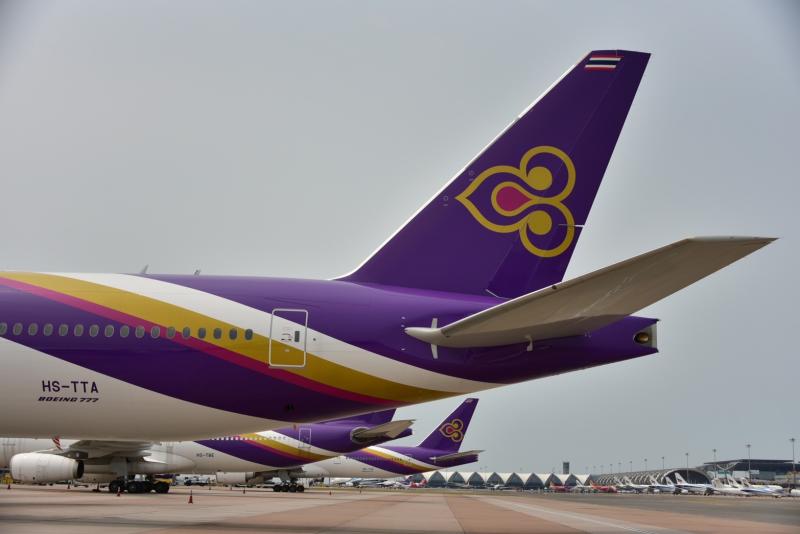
(324, 346)
(123, 411)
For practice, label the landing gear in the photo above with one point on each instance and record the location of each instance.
(115, 486)
(291, 487)
(161, 487)
(140, 486)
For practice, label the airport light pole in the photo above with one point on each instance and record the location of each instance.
(716, 473)
(687, 467)
(662, 463)
(794, 469)
(645, 464)
(749, 476)
(631, 466)
(619, 467)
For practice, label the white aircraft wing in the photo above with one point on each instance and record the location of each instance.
(456, 456)
(85, 449)
(594, 300)
(391, 430)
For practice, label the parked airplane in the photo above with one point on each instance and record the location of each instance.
(691, 487)
(239, 459)
(439, 450)
(603, 489)
(466, 296)
(746, 487)
(666, 487)
(727, 489)
(774, 489)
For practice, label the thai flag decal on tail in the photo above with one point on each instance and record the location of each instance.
(602, 62)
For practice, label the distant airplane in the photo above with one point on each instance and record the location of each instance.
(625, 484)
(439, 450)
(746, 487)
(666, 487)
(468, 295)
(598, 488)
(724, 488)
(240, 459)
(681, 484)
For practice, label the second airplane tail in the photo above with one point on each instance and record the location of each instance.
(450, 433)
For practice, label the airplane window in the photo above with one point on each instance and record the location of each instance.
(78, 330)
(171, 332)
(3, 329)
(186, 333)
(109, 330)
(233, 333)
(248, 334)
(33, 328)
(124, 330)
(201, 333)
(94, 330)
(63, 330)
(48, 329)
(155, 332)
(17, 329)
(217, 333)
(140, 331)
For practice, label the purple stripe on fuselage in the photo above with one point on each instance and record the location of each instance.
(331, 437)
(164, 366)
(253, 452)
(374, 317)
(419, 454)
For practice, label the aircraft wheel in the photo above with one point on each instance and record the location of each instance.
(133, 487)
(114, 486)
(292, 488)
(300, 488)
(276, 488)
(161, 487)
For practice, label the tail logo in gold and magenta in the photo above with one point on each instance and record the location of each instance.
(453, 430)
(527, 200)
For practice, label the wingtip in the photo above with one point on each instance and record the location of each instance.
(744, 240)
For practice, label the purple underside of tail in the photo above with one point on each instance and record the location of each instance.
(508, 224)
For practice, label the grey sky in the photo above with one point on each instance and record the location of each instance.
(291, 138)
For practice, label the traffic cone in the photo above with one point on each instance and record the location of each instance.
(190, 497)
(244, 490)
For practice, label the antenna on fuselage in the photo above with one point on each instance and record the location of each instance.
(144, 269)
(197, 272)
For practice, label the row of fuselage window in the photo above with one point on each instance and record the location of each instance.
(124, 331)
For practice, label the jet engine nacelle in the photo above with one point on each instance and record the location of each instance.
(235, 478)
(39, 467)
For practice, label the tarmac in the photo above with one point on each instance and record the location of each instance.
(44, 509)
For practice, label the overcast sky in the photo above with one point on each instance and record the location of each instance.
(290, 138)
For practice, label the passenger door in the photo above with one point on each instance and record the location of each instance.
(287, 337)
(305, 438)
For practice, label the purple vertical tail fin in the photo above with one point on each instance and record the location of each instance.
(450, 433)
(507, 224)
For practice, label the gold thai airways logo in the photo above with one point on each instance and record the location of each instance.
(453, 430)
(526, 203)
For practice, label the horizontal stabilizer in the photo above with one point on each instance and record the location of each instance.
(389, 430)
(456, 456)
(594, 300)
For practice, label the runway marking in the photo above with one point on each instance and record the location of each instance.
(580, 521)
